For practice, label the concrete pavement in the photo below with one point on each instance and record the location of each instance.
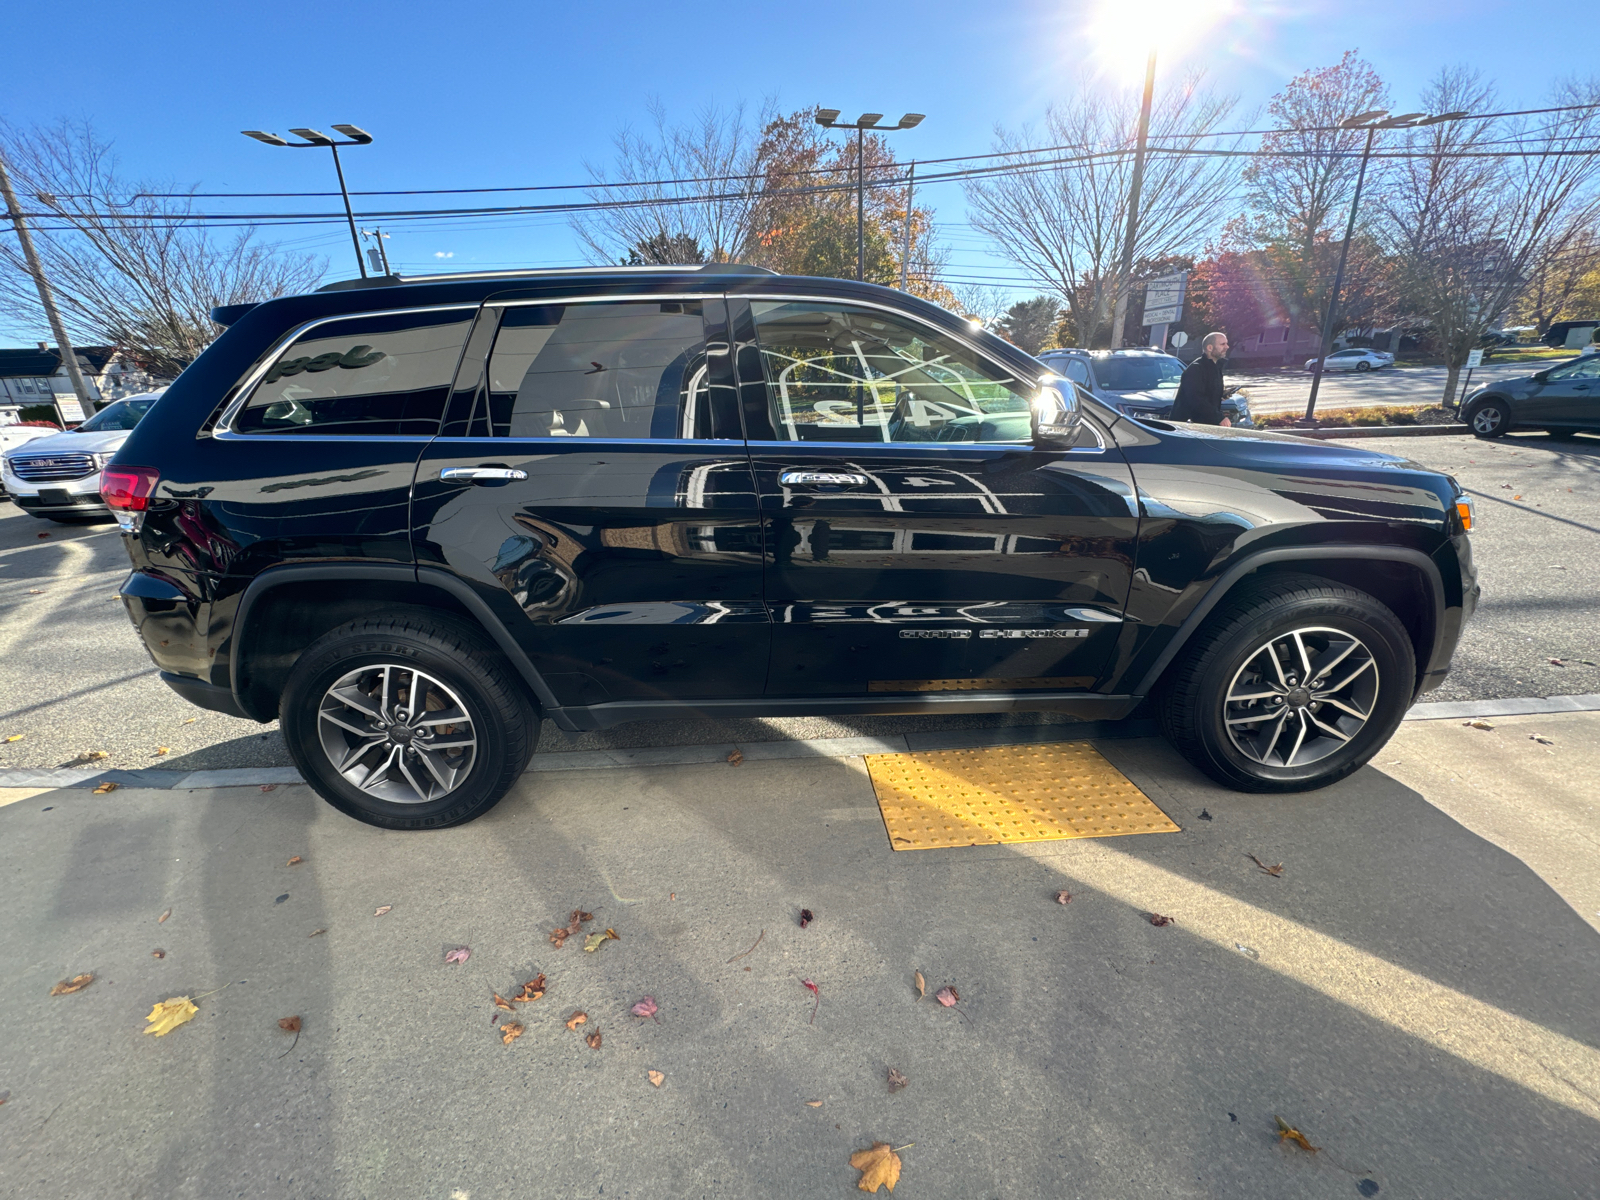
(1415, 992)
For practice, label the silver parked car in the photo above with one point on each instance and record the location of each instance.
(58, 477)
(1354, 359)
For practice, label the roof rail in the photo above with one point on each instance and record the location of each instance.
(540, 272)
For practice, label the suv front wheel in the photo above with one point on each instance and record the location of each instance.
(407, 722)
(1297, 684)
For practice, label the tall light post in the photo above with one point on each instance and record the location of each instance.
(313, 140)
(828, 118)
(1373, 121)
(1125, 271)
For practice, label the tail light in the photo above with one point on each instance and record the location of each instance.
(127, 492)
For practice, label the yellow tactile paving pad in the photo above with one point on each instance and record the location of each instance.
(997, 794)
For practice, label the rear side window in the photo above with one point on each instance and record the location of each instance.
(634, 369)
(378, 375)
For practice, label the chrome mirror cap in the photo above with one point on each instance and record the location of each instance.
(1057, 414)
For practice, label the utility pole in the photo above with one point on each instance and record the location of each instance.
(380, 256)
(905, 250)
(1125, 271)
(47, 300)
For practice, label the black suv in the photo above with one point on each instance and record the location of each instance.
(412, 517)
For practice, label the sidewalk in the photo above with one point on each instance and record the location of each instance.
(1414, 992)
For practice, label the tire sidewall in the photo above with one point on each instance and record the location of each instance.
(1499, 429)
(302, 699)
(1392, 655)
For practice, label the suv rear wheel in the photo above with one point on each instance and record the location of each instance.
(1295, 686)
(407, 722)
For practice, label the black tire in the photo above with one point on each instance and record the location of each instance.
(1194, 706)
(1489, 418)
(1363, 366)
(453, 664)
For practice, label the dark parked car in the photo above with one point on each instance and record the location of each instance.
(1558, 333)
(410, 518)
(1140, 383)
(1562, 400)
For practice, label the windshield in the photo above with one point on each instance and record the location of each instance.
(1141, 374)
(123, 414)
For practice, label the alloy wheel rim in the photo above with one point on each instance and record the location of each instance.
(396, 733)
(1486, 420)
(1300, 697)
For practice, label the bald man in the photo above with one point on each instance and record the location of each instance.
(1200, 391)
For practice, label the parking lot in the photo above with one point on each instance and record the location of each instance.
(1286, 391)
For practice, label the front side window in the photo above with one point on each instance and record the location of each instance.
(623, 369)
(1584, 368)
(1077, 371)
(383, 374)
(841, 374)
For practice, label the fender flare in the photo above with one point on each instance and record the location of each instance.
(274, 577)
(1224, 584)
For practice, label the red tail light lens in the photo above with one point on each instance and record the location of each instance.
(128, 489)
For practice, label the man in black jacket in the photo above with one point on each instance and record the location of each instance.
(1200, 391)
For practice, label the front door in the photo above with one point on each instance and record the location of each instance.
(916, 542)
(1569, 397)
(591, 482)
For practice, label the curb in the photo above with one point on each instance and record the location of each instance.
(674, 756)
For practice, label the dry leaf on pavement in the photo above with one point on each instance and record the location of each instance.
(510, 1032)
(735, 758)
(100, 789)
(576, 1019)
(922, 985)
(1273, 871)
(289, 1024)
(532, 990)
(501, 1002)
(879, 1167)
(76, 984)
(459, 955)
(1477, 725)
(657, 1078)
(813, 1103)
(896, 1080)
(594, 940)
(383, 909)
(1063, 897)
(806, 917)
(162, 919)
(816, 991)
(294, 862)
(1287, 1133)
(169, 1014)
(594, 1040)
(158, 954)
(315, 932)
(1541, 739)
(947, 996)
(646, 1008)
(16, 737)
(160, 750)
(574, 925)
(1158, 919)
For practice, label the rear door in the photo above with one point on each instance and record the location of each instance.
(916, 542)
(591, 482)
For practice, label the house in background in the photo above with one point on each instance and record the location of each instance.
(39, 375)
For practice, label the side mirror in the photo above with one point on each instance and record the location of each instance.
(1057, 415)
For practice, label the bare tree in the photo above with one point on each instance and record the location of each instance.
(1063, 221)
(716, 163)
(1468, 229)
(1561, 282)
(141, 275)
(1300, 184)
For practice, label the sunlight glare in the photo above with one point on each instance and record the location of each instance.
(1123, 36)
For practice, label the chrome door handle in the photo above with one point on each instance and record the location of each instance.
(821, 479)
(481, 474)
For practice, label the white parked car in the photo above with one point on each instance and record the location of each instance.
(58, 477)
(13, 433)
(1353, 360)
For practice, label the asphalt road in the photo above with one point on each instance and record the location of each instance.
(1414, 992)
(74, 677)
(1287, 391)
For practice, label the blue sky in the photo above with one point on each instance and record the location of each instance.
(500, 94)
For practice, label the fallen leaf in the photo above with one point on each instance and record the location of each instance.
(1477, 725)
(1273, 871)
(574, 925)
(76, 984)
(385, 908)
(44, 535)
(1555, 662)
(158, 954)
(646, 1008)
(510, 1032)
(1247, 951)
(294, 862)
(1541, 739)
(160, 750)
(558, 938)
(806, 917)
(459, 955)
(16, 737)
(315, 932)
(501, 1002)
(289, 1024)
(169, 1014)
(190, 721)
(1158, 919)
(879, 1167)
(1287, 1133)
(594, 1040)
(947, 996)
(532, 990)
(269, 787)
(896, 1082)
(816, 991)
(576, 1019)
(813, 1103)
(1063, 897)
(922, 985)
(594, 940)
(735, 758)
(162, 919)
(657, 1078)
(100, 789)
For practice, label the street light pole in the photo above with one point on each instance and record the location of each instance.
(828, 118)
(313, 138)
(1125, 272)
(1369, 122)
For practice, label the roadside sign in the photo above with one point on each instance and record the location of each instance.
(1163, 299)
(1179, 338)
(67, 404)
(1474, 359)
